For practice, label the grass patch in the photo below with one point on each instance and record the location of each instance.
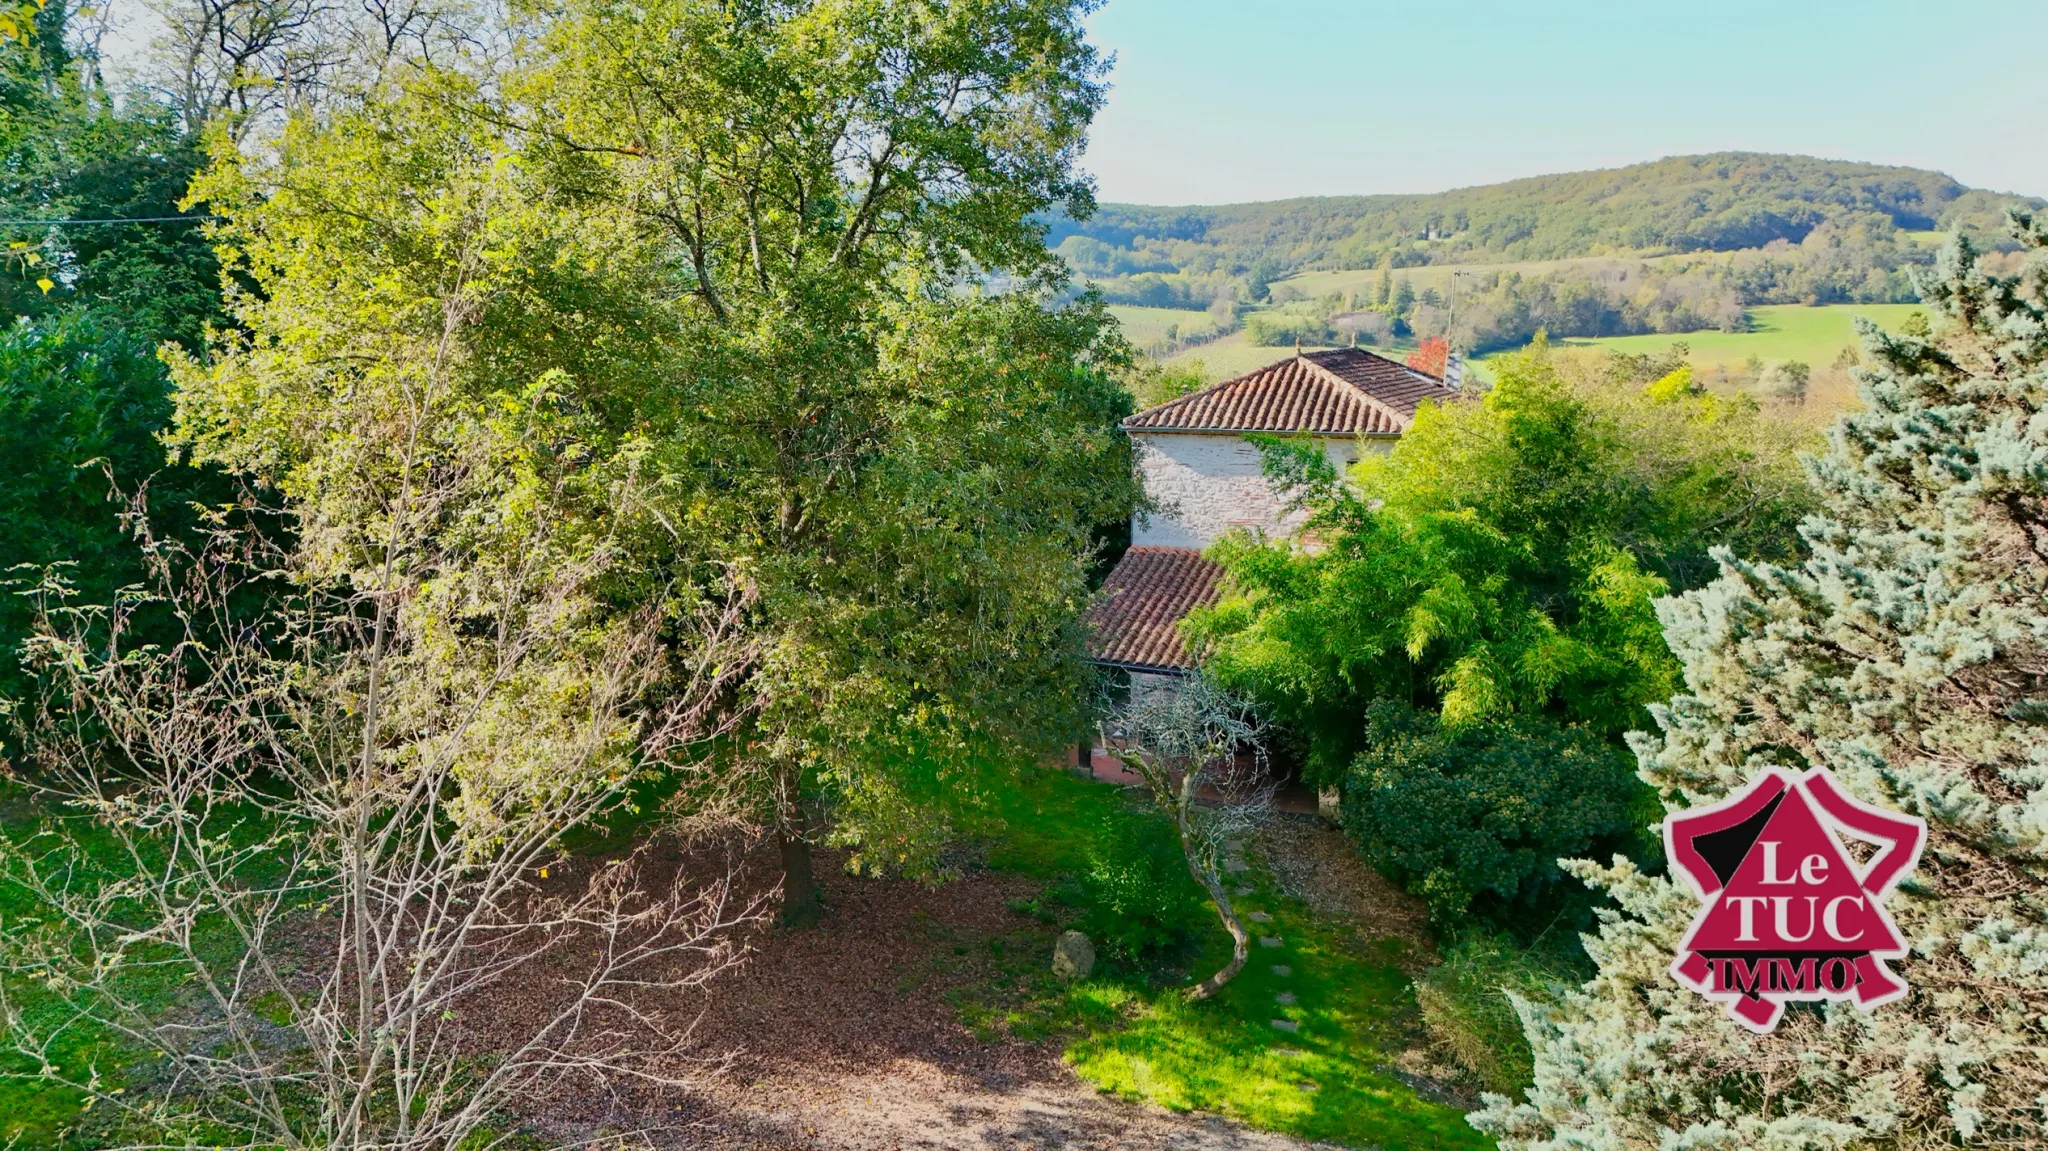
(35, 1112)
(1130, 1031)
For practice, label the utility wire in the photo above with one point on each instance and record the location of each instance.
(113, 220)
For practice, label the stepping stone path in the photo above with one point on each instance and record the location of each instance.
(1282, 970)
(1287, 1025)
(1284, 999)
(1269, 941)
(1259, 917)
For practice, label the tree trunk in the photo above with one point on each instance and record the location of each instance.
(800, 905)
(1240, 939)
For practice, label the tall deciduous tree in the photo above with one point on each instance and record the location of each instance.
(1905, 656)
(907, 470)
(743, 251)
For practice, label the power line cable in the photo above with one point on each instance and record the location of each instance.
(113, 220)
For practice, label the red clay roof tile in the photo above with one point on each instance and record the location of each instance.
(1135, 621)
(1337, 391)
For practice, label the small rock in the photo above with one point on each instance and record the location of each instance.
(1310, 1087)
(1243, 891)
(1282, 970)
(1269, 941)
(1236, 865)
(1284, 999)
(1259, 917)
(1287, 1051)
(1073, 957)
(1287, 1025)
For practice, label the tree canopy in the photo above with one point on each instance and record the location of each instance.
(1499, 559)
(736, 261)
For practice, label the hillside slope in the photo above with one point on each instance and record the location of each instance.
(1721, 202)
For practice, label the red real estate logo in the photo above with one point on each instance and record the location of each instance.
(1788, 914)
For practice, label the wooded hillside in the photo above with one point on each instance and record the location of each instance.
(1721, 202)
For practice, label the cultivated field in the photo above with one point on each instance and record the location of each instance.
(1147, 326)
(1814, 336)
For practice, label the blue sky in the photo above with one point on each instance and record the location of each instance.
(1215, 101)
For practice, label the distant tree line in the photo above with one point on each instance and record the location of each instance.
(1693, 241)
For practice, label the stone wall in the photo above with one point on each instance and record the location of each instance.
(1206, 485)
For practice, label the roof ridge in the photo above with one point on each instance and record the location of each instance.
(1369, 354)
(1358, 389)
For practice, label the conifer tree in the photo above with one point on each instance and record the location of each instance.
(1909, 655)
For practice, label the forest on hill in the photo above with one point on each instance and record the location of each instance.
(1681, 244)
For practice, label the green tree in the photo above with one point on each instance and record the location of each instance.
(1904, 656)
(82, 395)
(70, 148)
(1500, 559)
(908, 471)
(736, 258)
(79, 400)
(1403, 299)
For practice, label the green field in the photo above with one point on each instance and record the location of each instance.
(1814, 336)
(1144, 326)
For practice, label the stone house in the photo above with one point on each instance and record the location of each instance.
(1205, 478)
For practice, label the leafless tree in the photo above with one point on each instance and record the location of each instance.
(1201, 754)
(244, 62)
(331, 821)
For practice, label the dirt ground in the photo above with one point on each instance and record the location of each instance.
(843, 1038)
(1314, 863)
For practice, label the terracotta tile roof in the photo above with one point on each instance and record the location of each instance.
(1136, 617)
(1338, 391)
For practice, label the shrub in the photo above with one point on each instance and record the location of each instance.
(1466, 1009)
(1474, 817)
(1135, 895)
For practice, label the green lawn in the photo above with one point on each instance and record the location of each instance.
(33, 1111)
(1814, 336)
(1132, 1033)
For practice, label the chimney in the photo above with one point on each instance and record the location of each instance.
(1454, 371)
